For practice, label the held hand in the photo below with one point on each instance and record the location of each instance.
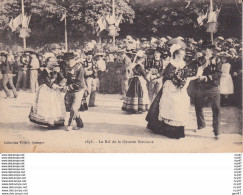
(203, 78)
(192, 78)
(210, 77)
(64, 89)
(152, 82)
(88, 73)
(56, 87)
(152, 77)
(235, 74)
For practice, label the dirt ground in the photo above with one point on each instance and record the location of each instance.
(109, 129)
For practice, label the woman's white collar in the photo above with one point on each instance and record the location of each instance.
(178, 64)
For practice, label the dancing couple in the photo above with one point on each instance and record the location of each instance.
(168, 113)
(49, 106)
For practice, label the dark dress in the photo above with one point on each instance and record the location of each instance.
(137, 99)
(178, 78)
(111, 78)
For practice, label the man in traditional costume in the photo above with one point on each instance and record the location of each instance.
(101, 65)
(22, 72)
(208, 93)
(6, 69)
(156, 70)
(90, 74)
(75, 89)
(34, 67)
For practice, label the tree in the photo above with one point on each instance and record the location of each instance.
(81, 15)
(174, 18)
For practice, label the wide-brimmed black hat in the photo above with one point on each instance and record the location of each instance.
(207, 44)
(121, 51)
(32, 53)
(89, 53)
(3, 53)
(69, 56)
(100, 54)
(159, 49)
(61, 56)
(224, 54)
(131, 52)
(190, 53)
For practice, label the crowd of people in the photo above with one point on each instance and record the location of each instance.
(155, 75)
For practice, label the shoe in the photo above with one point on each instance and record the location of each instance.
(92, 106)
(217, 137)
(51, 126)
(200, 129)
(80, 123)
(77, 128)
(69, 128)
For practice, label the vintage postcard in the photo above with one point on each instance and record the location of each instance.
(120, 76)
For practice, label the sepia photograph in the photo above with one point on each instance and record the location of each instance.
(120, 76)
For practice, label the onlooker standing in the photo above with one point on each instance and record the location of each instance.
(7, 72)
(111, 76)
(22, 72)
(1, 80)
(126, 72)
(90, 72)
(237, 78)
(101, 73)
(156, 70)
(34, 66)
(226, 82)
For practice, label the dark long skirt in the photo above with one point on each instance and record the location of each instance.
(136, 100)
(159, 127)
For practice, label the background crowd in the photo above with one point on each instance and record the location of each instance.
(113, 63)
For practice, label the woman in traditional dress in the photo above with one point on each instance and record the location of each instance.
(111, 76)
(226, 82)
(137, 100)
(49, 108)
(168, 113)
